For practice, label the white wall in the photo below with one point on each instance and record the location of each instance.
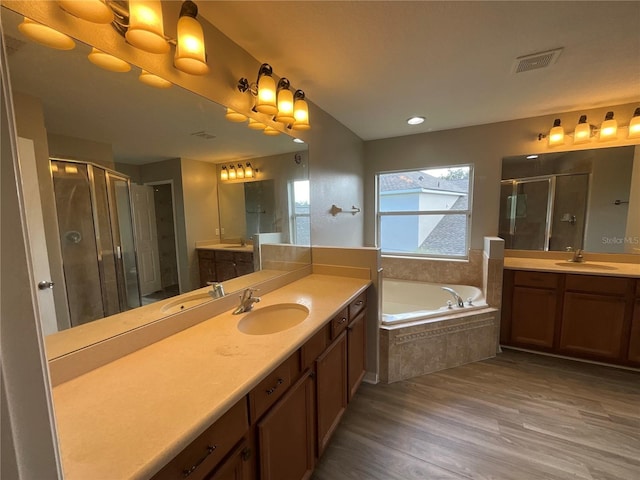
(484, 146)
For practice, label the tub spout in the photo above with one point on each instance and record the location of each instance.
(455, 295)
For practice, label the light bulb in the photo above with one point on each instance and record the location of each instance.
(582, 133)
(556, 134)
(634, 124)
(146, 30)
(609, 127)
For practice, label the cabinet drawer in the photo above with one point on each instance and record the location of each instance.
(205, 452)
(223, 256)
(314, 347)
(535, 279)
(357, 305)
(339, 322)
(206, 254)
(599, 285)
(265, 394)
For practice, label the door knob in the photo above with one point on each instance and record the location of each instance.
(43, 285)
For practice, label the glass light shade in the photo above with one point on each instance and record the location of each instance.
(146, 30)
(95, 11)
(301, 114)
(46, 36)
(609, 128)
(634, 125)
(190, 52)
(248, 171)
(582, 133)
(234, 116)
(266, 102)
(224, 174)
(285, 107)
(153, 80)
(108, 62)
(232, 173)
(255, 125)
(272, 132)
(240, 171)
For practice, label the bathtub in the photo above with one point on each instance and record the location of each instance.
(406, 301)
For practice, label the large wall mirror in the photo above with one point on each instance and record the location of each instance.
(569, 200)
(103, 140)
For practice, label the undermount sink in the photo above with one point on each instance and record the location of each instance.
(273, 318)
(186, 301)
(585, 265)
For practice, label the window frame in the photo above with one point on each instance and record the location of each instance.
(294, 216)
(468, 212)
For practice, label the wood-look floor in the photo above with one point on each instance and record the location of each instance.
(518, 416)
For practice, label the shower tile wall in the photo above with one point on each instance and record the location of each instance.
(166, 235)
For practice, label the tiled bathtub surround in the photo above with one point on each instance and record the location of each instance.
(412, 349)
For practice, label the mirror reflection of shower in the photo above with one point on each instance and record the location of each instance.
(97, 241)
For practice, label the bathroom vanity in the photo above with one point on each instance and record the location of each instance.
(213, 402)
(585, 310)
(218, 263)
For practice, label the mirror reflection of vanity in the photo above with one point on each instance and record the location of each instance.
(171, 141)
(571, 200)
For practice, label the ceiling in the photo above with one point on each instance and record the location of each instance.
(373, 64)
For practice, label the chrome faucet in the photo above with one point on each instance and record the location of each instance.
(246, 301)
(578, 257)
(455, 295)
(217, 290)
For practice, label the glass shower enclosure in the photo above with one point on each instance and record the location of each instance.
(93, 206)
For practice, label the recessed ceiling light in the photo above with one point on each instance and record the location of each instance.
(415, 120)
(298, 140)
(531, 157)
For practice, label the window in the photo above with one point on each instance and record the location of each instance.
(300, 215)
(425, 212)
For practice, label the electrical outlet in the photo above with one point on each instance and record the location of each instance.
(217, 231)
(222, 230)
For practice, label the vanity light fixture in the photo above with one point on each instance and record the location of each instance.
(146, 29)
(191, 56)
(224, 174)
(234, 116)
(582, 133)
(154, 80)
(300, 112)
(108, 62)
(285, 103)
(47, 36)
(270, 131)
(256, 125)
(556, 134)
(634, 124)
(232, 172)
(240, 171)
(95, 11)
(415, 120)
(609, 128)
(248, 171)
(279, 103)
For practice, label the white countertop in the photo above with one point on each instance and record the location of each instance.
(128, 418)
(563, 266)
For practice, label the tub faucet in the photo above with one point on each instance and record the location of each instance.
(455, 295)
(246, 301)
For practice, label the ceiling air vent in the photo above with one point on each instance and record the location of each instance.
(203, 134)
(536, 60)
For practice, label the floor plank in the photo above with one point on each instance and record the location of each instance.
(518, 416)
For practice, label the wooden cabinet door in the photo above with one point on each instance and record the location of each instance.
(331, 388)
(356, 353)
(286, 434)
(592, 325)
(238, 466)
(533, 317)
(634, 341)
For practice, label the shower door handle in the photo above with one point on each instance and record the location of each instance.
(44, 285)
(118, 252)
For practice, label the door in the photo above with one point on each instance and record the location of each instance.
(144, 220)
(35, 227)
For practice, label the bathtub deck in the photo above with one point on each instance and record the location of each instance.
(417, 348)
